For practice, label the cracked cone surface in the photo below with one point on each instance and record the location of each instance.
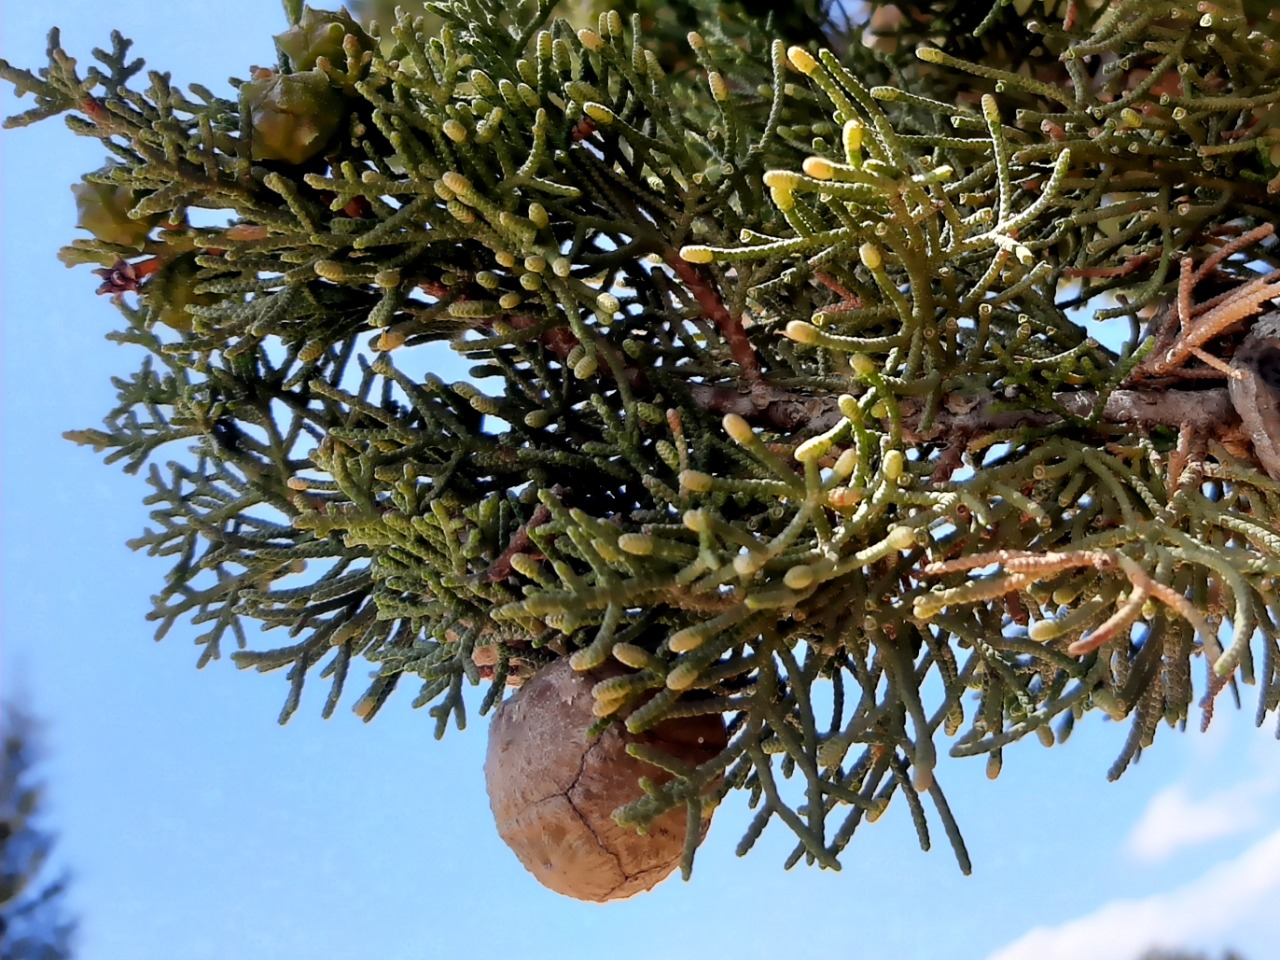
(553, 792)
(293, 115)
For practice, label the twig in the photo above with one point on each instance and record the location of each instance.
(1207, 411)
(1114, 624)
(1104, 273)
(1165, 594)
(1023, 561)
(848, 301)
(1235, 246)
(1243, 302)
(730, 327)
(500, 569)
(1180, 456)
(1186, 288)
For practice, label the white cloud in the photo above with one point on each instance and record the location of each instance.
(1186, 916)
(1173, 819)
(1184, 814)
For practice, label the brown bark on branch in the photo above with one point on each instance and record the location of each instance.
(1206, 411)
(713, 308)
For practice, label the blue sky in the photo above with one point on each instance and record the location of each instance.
(198, 828)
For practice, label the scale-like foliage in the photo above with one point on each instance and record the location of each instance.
(794, 386)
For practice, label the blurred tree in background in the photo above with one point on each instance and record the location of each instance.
(34, 923)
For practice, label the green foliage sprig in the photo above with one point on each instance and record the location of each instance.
(791, 387)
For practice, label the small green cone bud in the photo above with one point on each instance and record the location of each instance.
(103, 210)
(293, 115)
(320, 33)
(171, 290)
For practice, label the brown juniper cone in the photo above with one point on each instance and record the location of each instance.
(553, 792)
(1255, 393)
